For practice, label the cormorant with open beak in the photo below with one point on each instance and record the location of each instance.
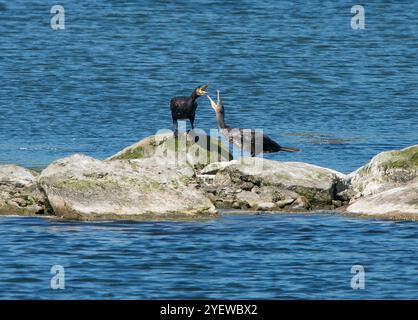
(185, 107)
(243, 138)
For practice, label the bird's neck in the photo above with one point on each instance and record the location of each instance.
(194, 96)
(221, 120)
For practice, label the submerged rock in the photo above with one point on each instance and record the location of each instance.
(19, 193)
(258, 183)
(387, 186)
(181, 151)
(81, 187)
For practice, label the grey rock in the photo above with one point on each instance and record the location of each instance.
(301, 203)
(386, 170)
(275, 182)
(19, 193)
(266, 206)
(283, 203)
(184, 150)
(81, 187)
(387, 186)
(398, 203)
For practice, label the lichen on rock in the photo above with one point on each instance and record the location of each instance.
(387, 186)
(81, 187)
(183, 149)
(386, 170)
(162, 177)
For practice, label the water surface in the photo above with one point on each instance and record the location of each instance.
(293, 68)
(233, 257)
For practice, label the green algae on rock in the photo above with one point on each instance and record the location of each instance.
(387, 186)
(182, 149)
(386, 170)
(81, 187)
(143, 182)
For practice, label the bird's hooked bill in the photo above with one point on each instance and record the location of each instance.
(203, 88)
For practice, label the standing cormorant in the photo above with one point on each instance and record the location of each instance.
(185, 107)
(239, 137)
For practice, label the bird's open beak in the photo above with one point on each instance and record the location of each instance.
(203, 88)
(212, 103)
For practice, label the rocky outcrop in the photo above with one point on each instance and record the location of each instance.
(387, 186)
(19, 193)
(81, 187)
(184, 150)
(386, 170)
(163, 177)
(267, 185)
(396, 203)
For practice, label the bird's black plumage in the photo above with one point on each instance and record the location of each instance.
(185, 107)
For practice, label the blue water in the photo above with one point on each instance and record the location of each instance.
(294, 68)
(235, 256)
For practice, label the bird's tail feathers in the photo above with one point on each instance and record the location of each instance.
(289, 149)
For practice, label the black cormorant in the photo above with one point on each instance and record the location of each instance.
(239, 137)
(185, 107)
